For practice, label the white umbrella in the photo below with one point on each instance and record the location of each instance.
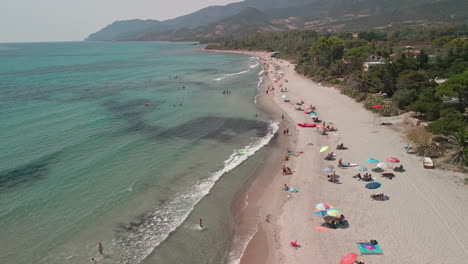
(382, 165)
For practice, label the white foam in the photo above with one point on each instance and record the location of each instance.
(137, 243)
(229, 75)
(260, 81)
(253, 66)
(236, 256)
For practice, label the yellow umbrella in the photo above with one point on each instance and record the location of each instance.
(333, 212)
(322, 149)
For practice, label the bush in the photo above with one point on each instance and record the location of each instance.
(403, 98)
(450, 121)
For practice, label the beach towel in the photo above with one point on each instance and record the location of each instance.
(292, 190)
(367, 248)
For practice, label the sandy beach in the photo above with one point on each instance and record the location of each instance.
(423, 220)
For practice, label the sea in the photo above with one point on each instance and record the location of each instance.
(129, 144)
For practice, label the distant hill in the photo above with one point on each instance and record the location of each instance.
(121, 30)
(252, 16)
(128, 29)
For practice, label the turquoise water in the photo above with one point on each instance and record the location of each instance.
(84, 159)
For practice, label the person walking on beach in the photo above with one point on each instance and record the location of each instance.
(287, 131)
(200, 223)
(100, 248)
(282, 117)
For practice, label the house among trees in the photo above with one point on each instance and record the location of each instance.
(373, 60)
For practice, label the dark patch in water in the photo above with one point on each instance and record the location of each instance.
(33, 171)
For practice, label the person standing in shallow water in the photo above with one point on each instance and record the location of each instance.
(200, 223)
(100, 248)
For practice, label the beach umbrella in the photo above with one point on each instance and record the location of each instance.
(319, 126)
(371, 160)
(393, 159)
(334, 212)
(377, 106)
(373, 185)
(323, 206)
(313, 114)
(349, 258)
(307, 107)
(327, 170)
(382, 165)
(328, 122)
(284, 96)
(323, 149)
(361, 168)
(321, 213)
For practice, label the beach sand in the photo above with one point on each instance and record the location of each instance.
(424, 220)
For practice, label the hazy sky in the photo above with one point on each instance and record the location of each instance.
(63, 20)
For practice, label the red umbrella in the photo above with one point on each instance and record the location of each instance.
(348, 258)
(376, 106)
(393, 159)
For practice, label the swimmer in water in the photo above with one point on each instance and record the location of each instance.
(100, 248)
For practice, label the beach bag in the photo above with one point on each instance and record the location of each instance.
(374, 242)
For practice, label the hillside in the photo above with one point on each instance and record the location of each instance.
(253, 16)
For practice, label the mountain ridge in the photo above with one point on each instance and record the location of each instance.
(277, 15)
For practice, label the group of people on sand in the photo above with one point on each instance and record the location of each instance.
(286, 132)
(336, 221)
(365, 177)
(287, 170)
(226, 91)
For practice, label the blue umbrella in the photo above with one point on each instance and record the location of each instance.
(327, 170)
(321, 213)
(313, 114)
(372, 160)
(373, 185)
(361, 168)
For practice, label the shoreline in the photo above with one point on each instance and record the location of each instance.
(397, 224)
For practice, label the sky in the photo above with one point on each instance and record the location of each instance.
(70, 20)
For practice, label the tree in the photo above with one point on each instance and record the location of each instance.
(403, 98)
(460, 140)
(326, 50)
(456, 85)
(357, 55)
(415, 80)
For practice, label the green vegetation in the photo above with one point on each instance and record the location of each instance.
(430, 77)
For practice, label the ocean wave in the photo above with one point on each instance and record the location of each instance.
(138, 239)
(229, 75)
(255, 65)
(260, 81)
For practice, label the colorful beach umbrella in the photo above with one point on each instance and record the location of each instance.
(328, 122)
(376, 106)
(284, 96)
(327, 170)
(334, 212)
(373, 185)
(371, 160)
(313, 114)
(349, 258)
(323, 149)
(361, 168)
(393, 159)
(324, 206)
(321, 213)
